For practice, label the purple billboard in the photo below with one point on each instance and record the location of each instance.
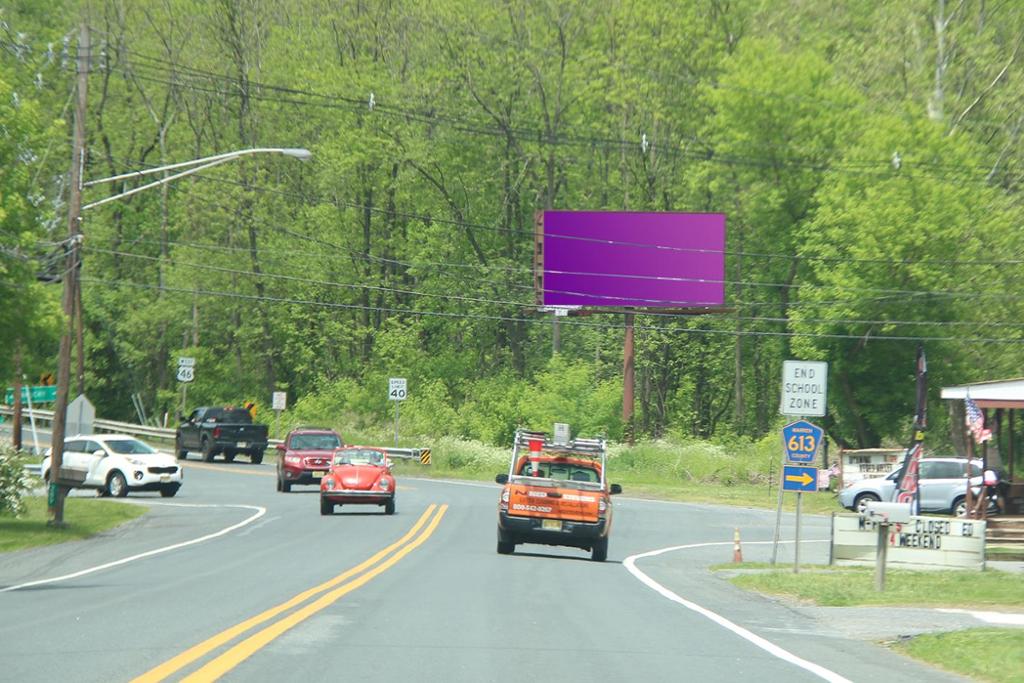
(627, 259)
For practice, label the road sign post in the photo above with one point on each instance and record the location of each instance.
(804, 393)
(397, 392)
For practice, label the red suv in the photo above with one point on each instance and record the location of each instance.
(305, 456)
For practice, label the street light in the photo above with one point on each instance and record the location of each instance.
(71, 273)
(195, 165)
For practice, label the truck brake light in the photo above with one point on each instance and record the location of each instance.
(216, 432)
(504, 500)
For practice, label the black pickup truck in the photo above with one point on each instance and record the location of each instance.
(221, 430)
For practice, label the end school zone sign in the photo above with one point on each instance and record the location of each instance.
(804, 388)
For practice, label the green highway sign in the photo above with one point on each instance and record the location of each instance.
(46, 394)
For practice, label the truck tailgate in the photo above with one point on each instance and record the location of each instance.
(553, 503)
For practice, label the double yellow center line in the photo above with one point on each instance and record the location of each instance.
(329, 591)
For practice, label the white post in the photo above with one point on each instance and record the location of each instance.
(32, 421)
(796, 546)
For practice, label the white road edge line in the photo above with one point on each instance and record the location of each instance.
(767, 646)
(260, 511)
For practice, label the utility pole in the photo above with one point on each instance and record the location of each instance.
(60, 408)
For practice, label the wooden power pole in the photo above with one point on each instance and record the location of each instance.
(70, 294)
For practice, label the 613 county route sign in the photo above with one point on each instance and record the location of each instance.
(800, 441)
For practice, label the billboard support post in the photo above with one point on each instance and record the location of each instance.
(628, 378)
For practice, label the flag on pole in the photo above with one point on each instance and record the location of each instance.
(907, 480)
(975, 420)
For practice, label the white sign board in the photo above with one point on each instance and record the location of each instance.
(186, 373)
(561, 433)
(79, 417)
(279, 400)
(396, 389)
(804, 387)
(186, 362)
(923, 541)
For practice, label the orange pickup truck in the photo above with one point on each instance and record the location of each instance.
(556, 494)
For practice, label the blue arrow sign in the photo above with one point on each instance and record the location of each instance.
(803, 479)
(801, 441)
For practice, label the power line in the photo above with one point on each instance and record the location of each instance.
(573, 323)
(528, 304)
(645, 245)
(872, 167)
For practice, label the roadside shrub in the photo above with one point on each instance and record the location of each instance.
(14, 481)
(453, 455)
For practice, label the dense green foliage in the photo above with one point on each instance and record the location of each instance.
(867, 156)
(14, 481)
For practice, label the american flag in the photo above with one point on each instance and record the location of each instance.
(976, 421)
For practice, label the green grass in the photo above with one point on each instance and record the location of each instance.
(987, 654)
(84, 517)
(853, 586)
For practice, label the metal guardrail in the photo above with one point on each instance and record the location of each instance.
(167, 434)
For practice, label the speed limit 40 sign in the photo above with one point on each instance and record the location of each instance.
(396, 389)
(801, 441)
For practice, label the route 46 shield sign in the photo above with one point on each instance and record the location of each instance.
(186, 373)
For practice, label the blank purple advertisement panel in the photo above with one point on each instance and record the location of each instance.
(640, 260)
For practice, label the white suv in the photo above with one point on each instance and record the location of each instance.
(942, 482)
(116, 464)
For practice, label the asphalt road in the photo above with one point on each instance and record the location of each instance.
(233, 580)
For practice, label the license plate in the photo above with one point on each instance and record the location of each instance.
(319, 474)
(165, 477)
(241, 444)
(551, 524)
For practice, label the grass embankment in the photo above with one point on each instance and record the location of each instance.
(988, 654)
(854, 586)
(991, 654)
(84, 517)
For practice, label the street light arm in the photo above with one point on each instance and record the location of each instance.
(297, 152)
(140, 188)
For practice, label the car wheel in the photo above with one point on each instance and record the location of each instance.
(326, 507)
(256, 457)
(169, 491)
(229, 456)
(286, 486)
(182, 452)
(860, 504)
(960, 507)
(117, 485)
(389, 507)
(209, 450)
(599, 553)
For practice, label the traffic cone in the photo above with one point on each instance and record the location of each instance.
(737, 552)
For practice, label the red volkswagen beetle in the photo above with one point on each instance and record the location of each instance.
(361, 475)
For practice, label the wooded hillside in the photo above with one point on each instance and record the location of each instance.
(867, 154)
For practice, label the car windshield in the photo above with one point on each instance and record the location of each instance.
(359, 457)
(130, 447)
(315, 442)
